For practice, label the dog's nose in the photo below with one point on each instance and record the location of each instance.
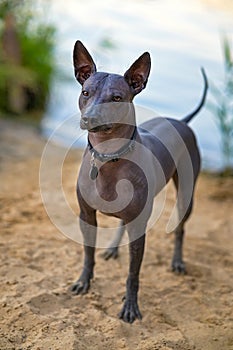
(85, 120)
(89, 122)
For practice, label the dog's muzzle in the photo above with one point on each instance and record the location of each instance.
(93, 124)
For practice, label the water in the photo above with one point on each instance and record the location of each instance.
(180, 36)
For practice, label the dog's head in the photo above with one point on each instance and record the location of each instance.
(106, 99)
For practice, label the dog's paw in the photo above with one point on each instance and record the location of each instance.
(178, 267)
(111, 252)
(80, 287)
(130, 312)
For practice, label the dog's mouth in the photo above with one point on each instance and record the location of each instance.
(95, 126)
(107, 128)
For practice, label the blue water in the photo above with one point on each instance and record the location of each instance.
(180, 36)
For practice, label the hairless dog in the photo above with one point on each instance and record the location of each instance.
(125, 166)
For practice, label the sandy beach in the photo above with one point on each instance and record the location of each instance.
(38, 265)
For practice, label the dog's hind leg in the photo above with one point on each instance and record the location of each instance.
(112, 250)
(184, 207)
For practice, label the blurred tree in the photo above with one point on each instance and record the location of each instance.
(27, 60)
(11, 55)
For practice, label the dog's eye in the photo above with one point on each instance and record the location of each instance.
(116, 98)
(85, 93)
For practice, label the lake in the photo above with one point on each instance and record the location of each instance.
(181, 36)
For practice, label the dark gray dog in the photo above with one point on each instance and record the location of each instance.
(125, 166)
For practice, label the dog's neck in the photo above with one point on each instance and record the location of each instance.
(110, 142)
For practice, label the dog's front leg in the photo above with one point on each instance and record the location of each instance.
(130, 311)
(88, 227)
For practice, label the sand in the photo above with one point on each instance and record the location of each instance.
(38, 265)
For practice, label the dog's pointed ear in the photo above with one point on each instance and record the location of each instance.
(84, 65)
(137, 75)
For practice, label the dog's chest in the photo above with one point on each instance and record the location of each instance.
(112, 190)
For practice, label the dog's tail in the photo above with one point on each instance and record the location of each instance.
(201, 103)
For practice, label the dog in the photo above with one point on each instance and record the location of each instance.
(125, 166)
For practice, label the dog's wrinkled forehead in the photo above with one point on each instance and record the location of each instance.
(108, 84)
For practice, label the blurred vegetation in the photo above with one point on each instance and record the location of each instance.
(27, 61)
(222, 108)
